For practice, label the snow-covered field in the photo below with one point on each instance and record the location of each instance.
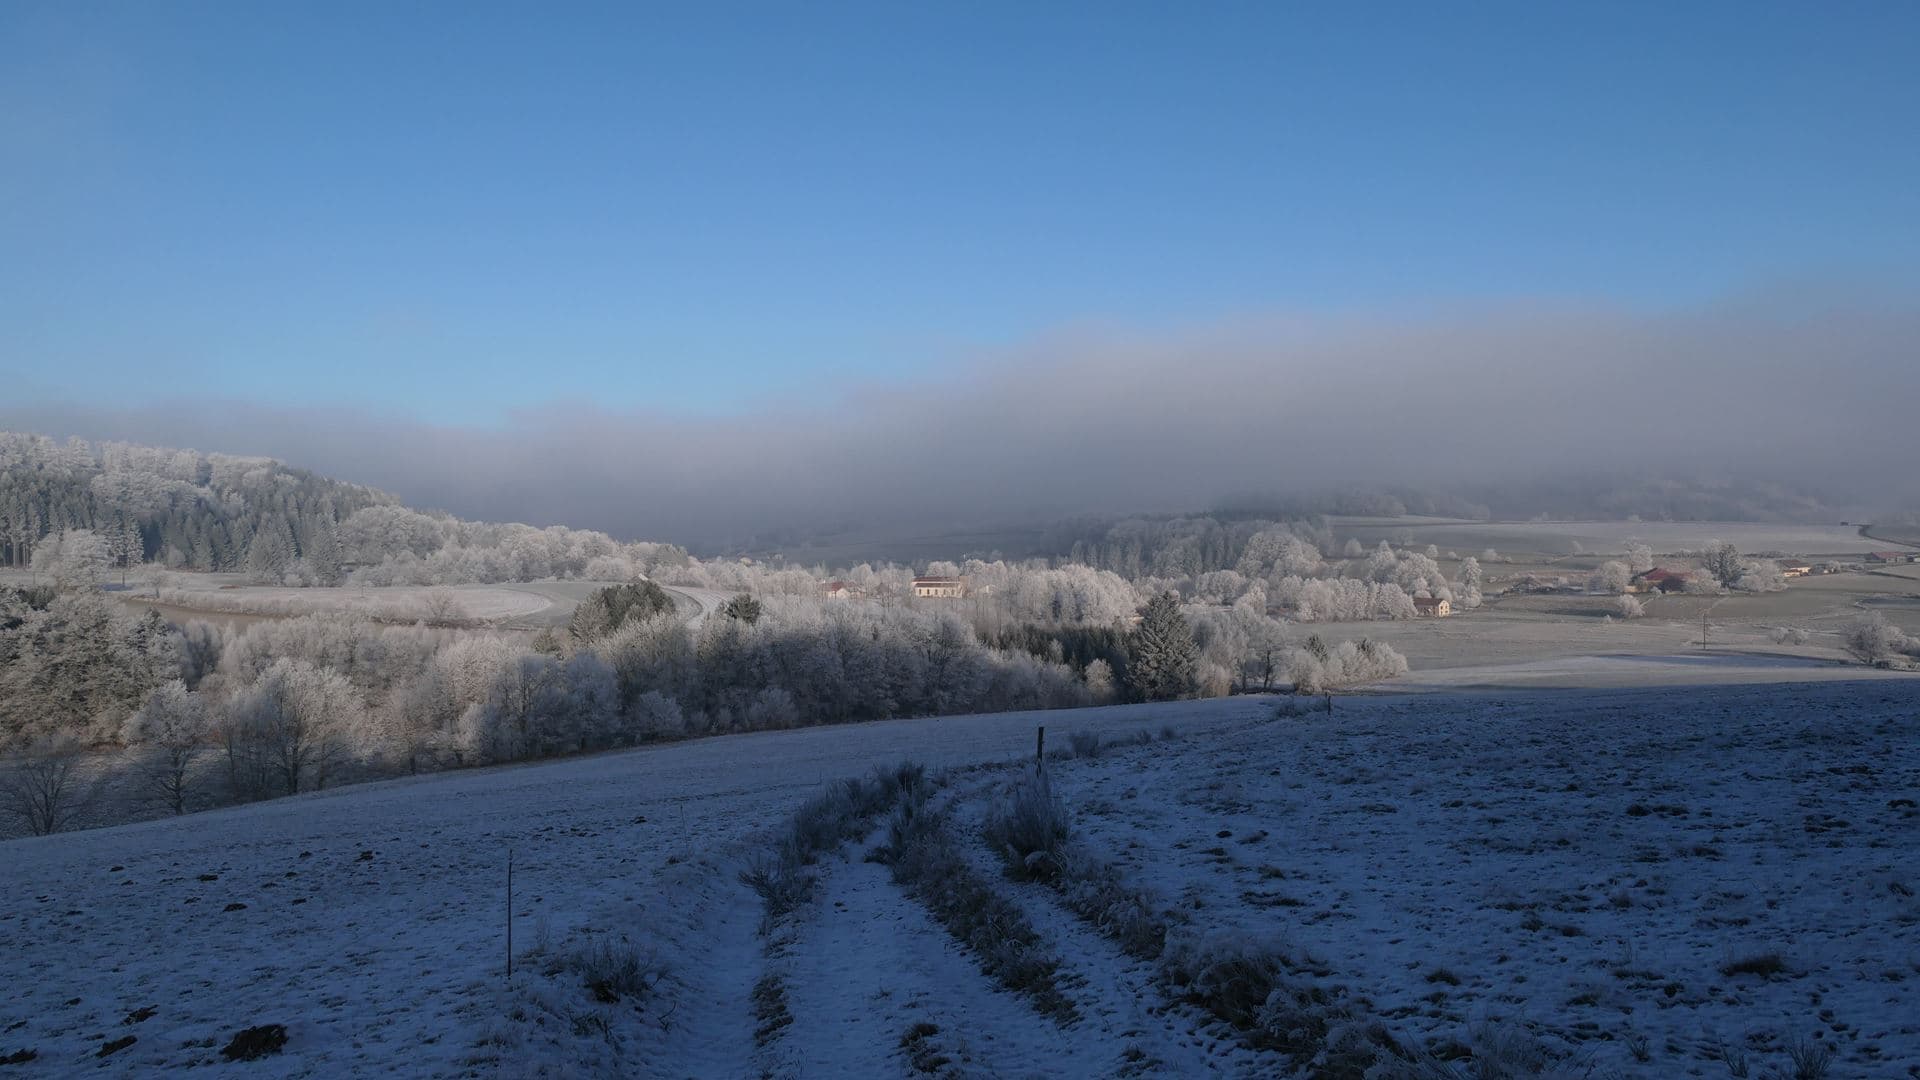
(1610, 537)
(481, 603)
(1583, 867)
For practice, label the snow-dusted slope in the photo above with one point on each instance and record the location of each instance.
(374, 915)
(1564, 857)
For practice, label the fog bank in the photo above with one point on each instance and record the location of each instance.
(1817, 395)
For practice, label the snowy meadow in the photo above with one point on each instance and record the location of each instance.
(1635, 883)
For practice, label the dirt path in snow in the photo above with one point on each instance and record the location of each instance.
(1120, 997)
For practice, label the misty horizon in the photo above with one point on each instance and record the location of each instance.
(1811, 395)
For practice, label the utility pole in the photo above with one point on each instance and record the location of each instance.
(509, 914)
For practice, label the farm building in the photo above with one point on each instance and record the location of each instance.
(1791, 568)
(1889, 556)
(1437, 607)
(940, 587)
(1659, 579)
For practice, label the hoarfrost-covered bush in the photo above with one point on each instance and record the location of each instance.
(1212, 680)
(1028, 826)
(771, 709)
(656, 716)
(1100, 683)
(1610, 577)
(1345, 665)
(1871, 639)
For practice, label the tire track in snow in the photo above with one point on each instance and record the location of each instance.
(1119, 995)
(868, 963)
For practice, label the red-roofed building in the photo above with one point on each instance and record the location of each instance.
(1659, 579)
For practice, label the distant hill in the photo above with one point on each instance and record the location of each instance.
(187, 509)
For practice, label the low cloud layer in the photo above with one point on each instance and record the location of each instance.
(1825, 395)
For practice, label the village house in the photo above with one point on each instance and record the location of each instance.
(841, 590)
(1437, 607)
(1889, 557)
(1659, 579)
(1790, 568)
(946, 588)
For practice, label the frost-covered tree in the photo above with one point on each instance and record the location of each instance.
(1701, 584)
(541, 705)
(125, 549)
(1219, 586)
(1629, 607)
(45, 789)
(79, 666)
(1243, 642)
(1161, 653)
(75, 559)
(608, 609)
(1610, 577)
(288, 728)
(324, 555)
(1466, 591)
(1871, 639)
(1639, 558)
(654, 715)
(271, 553)
(1723, 563)
(170, 731)
(742, 607)
(1760, 575)
(1281, 553)
(1100, 683)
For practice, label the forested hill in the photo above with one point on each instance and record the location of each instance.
(179, 507)
(76, 508)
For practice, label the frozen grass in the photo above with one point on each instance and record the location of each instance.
(1810, 1060)
(845, 810)
(1275, 1001)
(770, 1012)
(1028, 827)
(613, 970)
(1029, 830)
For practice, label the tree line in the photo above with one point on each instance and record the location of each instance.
(207, 714)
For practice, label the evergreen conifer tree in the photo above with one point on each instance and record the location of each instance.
(1161, 653)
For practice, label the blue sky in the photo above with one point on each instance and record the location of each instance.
(452, 211)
